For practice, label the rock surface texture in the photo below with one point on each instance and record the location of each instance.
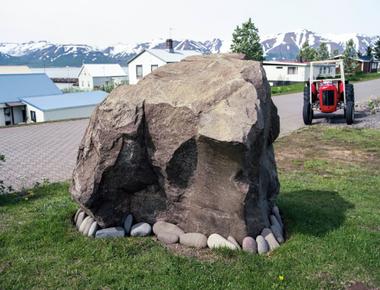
(190, 144)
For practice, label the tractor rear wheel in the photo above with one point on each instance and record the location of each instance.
(350, 112)
(307, 109)
(307, 113)
(350, 96)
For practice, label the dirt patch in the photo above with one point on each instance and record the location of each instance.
(359, 286)
(206, 254)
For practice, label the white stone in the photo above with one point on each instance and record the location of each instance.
(80, 219)
(87, 226)
(271, 240)
(217, 241)
(83, 224)
(262, 245)
(234, 241)
(93, 229)
(141, 230)
(76, 214)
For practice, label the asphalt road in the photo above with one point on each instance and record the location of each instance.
(290, 106)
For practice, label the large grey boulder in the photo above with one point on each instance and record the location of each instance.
(190, 144)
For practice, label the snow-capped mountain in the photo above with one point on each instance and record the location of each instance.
(287, 45)
(280, 46)
(43, 53)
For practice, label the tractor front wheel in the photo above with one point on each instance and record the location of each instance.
(350, 112)
(307, 113)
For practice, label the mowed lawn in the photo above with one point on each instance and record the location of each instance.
(330, 201)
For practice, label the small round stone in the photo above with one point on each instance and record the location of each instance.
(217, 241)
(249, 245)
(162, 226)
(83, 224)
(277, 234)
(128, 224)
(141, 230)
(275, 222)
(80, 219)
(87, 226)
(234, 241)
(167, 238)
(276, 212)
(262, 245)
(195, 240)
(76, 214)
(114, 232)
(93, 229)
(271, 240)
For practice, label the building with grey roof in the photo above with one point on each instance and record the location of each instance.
(13, 87)
(150, 59)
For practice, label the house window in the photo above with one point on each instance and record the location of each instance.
(153, 67)
(139, 71)
(33, 116)
(292, 70)
(278, 67)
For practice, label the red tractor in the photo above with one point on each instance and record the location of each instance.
(327, 91)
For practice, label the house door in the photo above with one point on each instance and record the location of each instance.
(23, 115)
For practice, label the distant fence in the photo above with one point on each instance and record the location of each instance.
(65, 80)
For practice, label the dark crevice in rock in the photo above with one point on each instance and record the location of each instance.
(183, 163)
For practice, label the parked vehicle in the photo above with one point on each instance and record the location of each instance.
(327, 91)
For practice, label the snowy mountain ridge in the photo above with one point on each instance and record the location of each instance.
(281, 46)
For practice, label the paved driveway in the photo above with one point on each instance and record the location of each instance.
(49, 150)
(40, 151)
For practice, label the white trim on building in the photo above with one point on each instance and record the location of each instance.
(97, 75)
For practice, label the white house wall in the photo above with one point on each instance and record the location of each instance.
(279, 73)
(85, 80)
(69, 113)
(39, 114)
(145, 59)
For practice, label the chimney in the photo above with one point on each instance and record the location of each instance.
(169, 45)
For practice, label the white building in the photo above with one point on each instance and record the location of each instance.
(285, 72)
(150, 59)
(281, 73)
(62, 107)
(13, 87)
(93, 76)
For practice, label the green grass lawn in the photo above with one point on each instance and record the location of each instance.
(298, 87)
(330, 199)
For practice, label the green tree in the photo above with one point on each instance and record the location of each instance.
(377, 49)
(349, 57)
(323, 52)
(307, 53)
(369, 51)
(334, 53)
(245, 39)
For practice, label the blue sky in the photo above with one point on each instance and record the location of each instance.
(122, 21)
